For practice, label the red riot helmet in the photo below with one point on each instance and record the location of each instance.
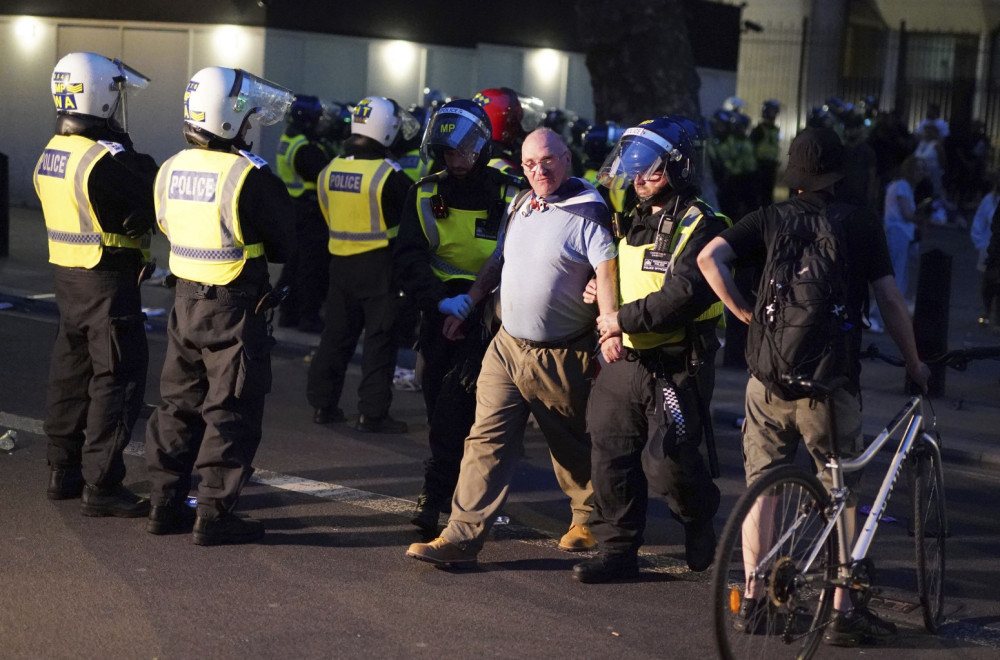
(503, 107)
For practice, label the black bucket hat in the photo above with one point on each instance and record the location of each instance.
(815, 160)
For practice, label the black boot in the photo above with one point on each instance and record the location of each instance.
(117, 501)
(170, 518)
(65, 483)
(381, 425)
(425, 515)
(606, 567)
(699, 544)
(226, 529)
(328, 415)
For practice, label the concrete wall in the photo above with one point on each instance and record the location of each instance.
(336, 68)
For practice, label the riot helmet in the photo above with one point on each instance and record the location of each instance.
(334, 121)
(653, 146)
(733, 104)
(598, 141)
(88, 86)
(383, 121)
(459, 125)
(769, 109)
(721, 124)
(219, 103)
(693, 129)
(305, 112)
(511, 116)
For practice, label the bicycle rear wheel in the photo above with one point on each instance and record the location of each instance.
(791, 601)
(930, 529)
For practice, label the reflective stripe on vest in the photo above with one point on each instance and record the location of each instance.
(414, 165)
(350, 196)
(287, 148)
(635, 283)
(61, 177)
(197, 207)
(456, 252)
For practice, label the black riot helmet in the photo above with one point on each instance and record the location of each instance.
(461, 125)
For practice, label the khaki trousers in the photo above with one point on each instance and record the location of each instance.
(517, 380)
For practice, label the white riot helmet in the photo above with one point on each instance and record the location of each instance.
(93, 85)
(382, 120)
(219, 100)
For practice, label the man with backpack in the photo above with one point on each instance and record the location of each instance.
(806, 323)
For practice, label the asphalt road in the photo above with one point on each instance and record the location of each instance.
(330, 579)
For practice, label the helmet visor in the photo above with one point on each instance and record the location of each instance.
(269, 102)
(639, 153)
(458, 129)
(409, 125)
(534, 112)
(130, 79)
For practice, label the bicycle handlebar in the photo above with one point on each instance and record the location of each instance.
(958, 359)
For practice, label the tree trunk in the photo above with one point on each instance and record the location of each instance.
(640, 59)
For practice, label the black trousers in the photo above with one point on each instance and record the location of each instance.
(307, 271)
(97, 377)
(362, 297)
(636, 448)
(449, 386)
(215, 375)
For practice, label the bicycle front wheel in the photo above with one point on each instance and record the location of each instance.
(772, 588)
(930, 529)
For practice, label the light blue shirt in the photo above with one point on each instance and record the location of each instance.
(550, 253)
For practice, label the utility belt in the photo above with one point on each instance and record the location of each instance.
(569, 342)
(662, 361)
(248, 296)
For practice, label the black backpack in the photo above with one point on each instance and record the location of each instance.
(803, 326)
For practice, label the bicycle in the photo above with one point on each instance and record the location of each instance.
(805, 558)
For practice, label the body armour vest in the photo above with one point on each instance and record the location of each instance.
(462, 240)
(637, 281)
(62, 174)
(350, 196)
(197, 207)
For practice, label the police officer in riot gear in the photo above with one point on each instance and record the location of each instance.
(512, 118)
(96, 194)
(647, 412)
(301, 157)
(448, 230)
(361, 196)
(226, 215)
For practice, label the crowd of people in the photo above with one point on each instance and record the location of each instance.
(574, 276)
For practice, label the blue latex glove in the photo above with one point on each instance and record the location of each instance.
(459, 306)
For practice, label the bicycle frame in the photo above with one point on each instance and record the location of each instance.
(911, 414)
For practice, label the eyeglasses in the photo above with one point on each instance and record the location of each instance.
(545, 163)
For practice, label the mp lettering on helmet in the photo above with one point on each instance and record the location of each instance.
(193, 186)
(63, 91)
(193, 115)
(362, 111)
(447, 128)
(53, 163)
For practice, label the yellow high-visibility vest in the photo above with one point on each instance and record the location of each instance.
(197, 207)
(457, 252)
(350, 196)
(61, 176)
(287, 148)
(635, 283)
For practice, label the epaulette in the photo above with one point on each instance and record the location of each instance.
(114, 147)
(256, 160)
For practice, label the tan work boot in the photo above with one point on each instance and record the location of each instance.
(577, 539)
(442, 552)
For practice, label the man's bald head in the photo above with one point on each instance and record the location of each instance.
(546, 160)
